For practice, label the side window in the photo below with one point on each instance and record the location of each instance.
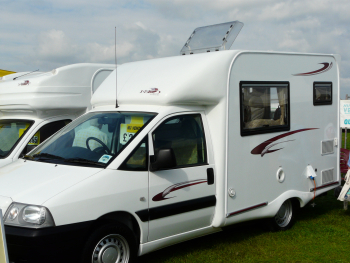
(45, 132)
(138, 159)
(264, 107)
(184, 134)
(322, 93)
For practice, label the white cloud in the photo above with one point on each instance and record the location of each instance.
(52, 33)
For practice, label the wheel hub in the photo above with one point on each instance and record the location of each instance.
(111, 249)
(284, 214)
(110, 255)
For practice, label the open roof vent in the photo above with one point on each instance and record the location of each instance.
(212, 38)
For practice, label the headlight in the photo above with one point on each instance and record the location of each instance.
(32, 216)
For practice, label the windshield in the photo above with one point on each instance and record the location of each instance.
(94, 139)
(11, 132)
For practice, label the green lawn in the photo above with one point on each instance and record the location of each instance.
(320, 234)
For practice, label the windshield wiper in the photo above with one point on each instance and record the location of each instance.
(47, 155)
(28, 157)
(82, 160)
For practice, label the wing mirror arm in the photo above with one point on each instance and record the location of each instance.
(162, 160)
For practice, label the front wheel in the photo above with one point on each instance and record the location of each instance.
(110, 244)
(285, 217)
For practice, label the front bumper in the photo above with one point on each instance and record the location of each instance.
(53, 244)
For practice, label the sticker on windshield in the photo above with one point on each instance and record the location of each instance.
(127, 131)
(105, 158)
(35, 140)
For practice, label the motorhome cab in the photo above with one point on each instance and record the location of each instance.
(197, 142)
(33, 105)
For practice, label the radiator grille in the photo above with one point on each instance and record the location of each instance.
(327, 176)
(327, 147)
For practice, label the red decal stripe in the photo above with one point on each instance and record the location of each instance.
(261, 147)
(162, 195)
(326, 67)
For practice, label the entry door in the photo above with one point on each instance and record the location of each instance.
(182, 198)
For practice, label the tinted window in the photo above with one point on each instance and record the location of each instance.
(264, 107)
(322, 93)
(184, 134)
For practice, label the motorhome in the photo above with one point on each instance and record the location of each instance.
(180, 148)
(35, 105)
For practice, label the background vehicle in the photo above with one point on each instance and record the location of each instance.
(33, 106)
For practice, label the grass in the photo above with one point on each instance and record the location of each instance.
(320, 234)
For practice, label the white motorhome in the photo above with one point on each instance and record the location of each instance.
(191, 144)
(35, 105)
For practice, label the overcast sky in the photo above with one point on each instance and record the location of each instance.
(46, 34)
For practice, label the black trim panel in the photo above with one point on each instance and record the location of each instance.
(177, 208)
(51, 244)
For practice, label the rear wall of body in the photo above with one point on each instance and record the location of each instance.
(251, 169)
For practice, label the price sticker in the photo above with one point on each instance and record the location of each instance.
(127, 131)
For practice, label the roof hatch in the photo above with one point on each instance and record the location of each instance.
(212, 38)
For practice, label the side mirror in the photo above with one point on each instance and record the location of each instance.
(162, 160)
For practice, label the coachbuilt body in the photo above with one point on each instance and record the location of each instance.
(227, 137)
(35, 105)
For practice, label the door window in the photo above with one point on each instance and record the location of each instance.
(183, 134)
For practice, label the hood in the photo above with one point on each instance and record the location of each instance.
(34, 183)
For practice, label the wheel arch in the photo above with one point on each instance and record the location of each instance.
(121, 217)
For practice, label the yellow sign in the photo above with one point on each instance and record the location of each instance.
(135, 124)
(3, 248)
(127, 131)
(5, 72)
(35, 140)
(21, 131)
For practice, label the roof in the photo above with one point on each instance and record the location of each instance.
(199, 79)
(67, 87)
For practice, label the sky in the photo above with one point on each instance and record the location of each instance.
(46, 34)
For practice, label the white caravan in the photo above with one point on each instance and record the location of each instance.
(196, 143)
(35, 105)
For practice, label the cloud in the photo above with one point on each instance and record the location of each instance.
(48, 34)
(55, 48)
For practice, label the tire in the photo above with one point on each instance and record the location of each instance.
(337, 191)
(112, 243)
(285, 217)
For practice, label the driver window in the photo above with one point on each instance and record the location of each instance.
(184, 134)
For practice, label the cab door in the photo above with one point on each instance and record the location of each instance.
(181, 198)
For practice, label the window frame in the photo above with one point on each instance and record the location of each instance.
(321, 103)
(204, 139)
(263, 130)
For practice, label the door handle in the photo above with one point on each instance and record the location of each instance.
(210, 176)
